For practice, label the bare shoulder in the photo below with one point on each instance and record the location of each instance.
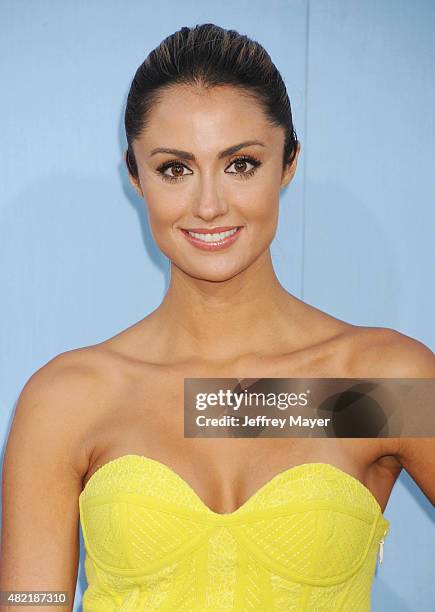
(57, 405)
(382, 352)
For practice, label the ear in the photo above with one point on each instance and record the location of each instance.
(290, 169)
(133, 180)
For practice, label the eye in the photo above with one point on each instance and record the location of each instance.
(178, 166)
(240, 163)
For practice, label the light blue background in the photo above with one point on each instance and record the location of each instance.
(356, 233)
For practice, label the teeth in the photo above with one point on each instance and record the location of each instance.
(213, 237)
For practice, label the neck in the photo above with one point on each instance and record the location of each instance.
(220, 320)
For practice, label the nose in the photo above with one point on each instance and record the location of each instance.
(209, 201)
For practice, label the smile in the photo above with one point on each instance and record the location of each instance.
(212, 241)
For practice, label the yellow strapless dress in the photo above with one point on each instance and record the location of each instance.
(307, 540)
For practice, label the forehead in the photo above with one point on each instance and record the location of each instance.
(207, 118)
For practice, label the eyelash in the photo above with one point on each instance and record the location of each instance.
(243, 175)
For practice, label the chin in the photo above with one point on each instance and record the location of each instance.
(217, 275)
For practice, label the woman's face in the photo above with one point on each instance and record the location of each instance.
(203, 186)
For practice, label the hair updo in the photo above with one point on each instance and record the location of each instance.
(208, 56)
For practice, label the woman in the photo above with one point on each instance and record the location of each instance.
(177, 523)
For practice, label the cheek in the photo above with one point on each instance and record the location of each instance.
(163, 207)
(261, 204)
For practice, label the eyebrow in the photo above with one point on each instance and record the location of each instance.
(189, 156)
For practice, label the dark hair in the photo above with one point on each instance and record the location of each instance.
(209, 56)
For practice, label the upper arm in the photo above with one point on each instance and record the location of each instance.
(400, 356)
(412, 359)
(417, 456)
(43, 466)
